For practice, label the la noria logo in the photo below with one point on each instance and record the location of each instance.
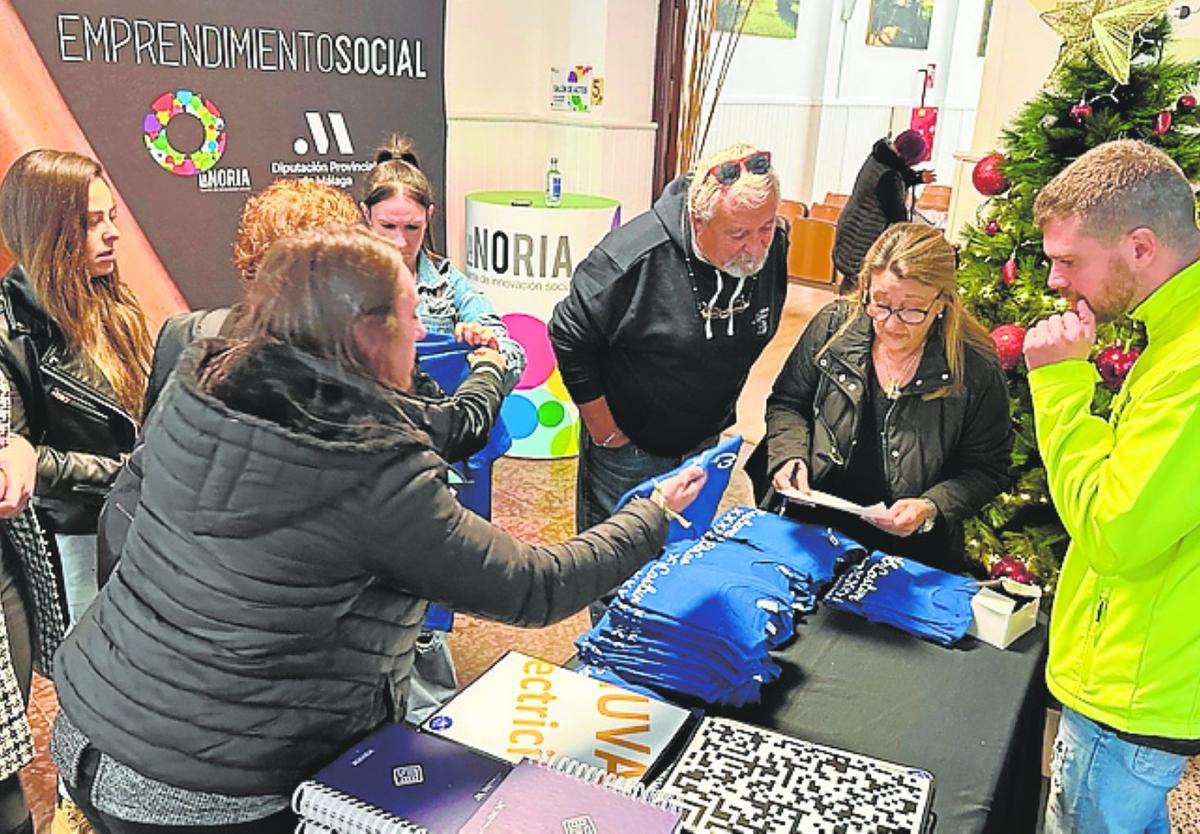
(184, 103)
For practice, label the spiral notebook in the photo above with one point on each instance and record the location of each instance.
(738, 777)
(398, 781)
(567, 797)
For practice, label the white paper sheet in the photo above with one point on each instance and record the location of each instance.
(824, 499)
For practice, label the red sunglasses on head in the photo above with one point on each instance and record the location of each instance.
(727, 173)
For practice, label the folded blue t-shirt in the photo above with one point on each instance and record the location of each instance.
(718, 463)
(913, 597)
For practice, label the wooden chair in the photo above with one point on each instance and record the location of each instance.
(934, 198)
(824, 211)
(838, 200)
(810, 250)
(792, 209)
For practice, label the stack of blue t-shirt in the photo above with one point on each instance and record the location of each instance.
(813, 554)
(696, 627)
(920, 600)
(701, 619)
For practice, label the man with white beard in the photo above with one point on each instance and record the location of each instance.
(664, 319)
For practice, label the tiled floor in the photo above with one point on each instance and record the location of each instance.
(534, 500)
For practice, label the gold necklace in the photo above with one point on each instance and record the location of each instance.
(891, 389)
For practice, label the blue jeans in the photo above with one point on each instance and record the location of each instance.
(78, 552)
(607, 474)
(1101, 784)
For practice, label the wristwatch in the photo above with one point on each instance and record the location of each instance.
(930, 519)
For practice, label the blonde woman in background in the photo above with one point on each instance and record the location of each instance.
(398, 203)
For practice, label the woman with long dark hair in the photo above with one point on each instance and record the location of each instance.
(74, 353)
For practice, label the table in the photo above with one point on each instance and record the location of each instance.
(972, 715)
(523, 253)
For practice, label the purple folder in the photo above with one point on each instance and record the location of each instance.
(399, 780)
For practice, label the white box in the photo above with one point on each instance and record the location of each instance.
(1000, 618)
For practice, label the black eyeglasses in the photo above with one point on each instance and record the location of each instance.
(909, 315)
(727, 173)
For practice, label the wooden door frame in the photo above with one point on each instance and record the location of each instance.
(668, 85)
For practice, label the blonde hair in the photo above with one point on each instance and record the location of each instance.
(44, 224)
(922, 253)
(285, 207)
(749, 191)
(1119, 186)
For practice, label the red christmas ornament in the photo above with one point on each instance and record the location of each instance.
(1114, 364)
(1008, 272)
(992, 228)
(987, 178)
(1163, 123)
(1014, 568)
(1081, 111)
(1187, 101)
(1009, 340)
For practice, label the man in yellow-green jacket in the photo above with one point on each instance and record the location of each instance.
(1119, 229)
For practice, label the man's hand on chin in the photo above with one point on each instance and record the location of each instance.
(1061, 337)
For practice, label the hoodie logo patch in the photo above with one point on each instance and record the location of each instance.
(762, 321)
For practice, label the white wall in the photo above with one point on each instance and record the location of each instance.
(821, 100)
(501, 131)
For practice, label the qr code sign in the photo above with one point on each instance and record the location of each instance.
(737, 778)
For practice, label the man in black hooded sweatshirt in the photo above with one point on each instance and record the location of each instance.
(664, 319)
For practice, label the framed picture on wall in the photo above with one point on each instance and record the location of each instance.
(765, 18)
(902, 23)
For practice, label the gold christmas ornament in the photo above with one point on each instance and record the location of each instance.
(1101, 31)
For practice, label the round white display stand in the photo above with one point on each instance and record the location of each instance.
(523, 254)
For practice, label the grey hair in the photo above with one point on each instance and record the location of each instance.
(750, 191)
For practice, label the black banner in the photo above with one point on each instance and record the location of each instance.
(191, 106)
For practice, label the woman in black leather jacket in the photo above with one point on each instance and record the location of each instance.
(74, 350)
(896, 397)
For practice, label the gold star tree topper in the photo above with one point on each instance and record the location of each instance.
(1102, 31)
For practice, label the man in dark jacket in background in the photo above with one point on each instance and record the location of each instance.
(879, 199)
(664, 319)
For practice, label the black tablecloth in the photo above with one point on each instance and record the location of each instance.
(972, 715)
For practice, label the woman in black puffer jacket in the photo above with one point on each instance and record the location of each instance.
(293, 523)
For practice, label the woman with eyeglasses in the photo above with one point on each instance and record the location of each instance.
(896, 397)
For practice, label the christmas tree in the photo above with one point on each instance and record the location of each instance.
(1003, 270)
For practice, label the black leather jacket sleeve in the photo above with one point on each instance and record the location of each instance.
(461, 422)
(62, 474)
(980, 467)
(790, 405)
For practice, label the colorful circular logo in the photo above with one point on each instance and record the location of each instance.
(184, 103)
